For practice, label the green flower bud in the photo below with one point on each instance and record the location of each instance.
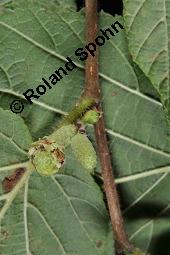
(62, 136)
(46, 159)
(47, 154)
(45, 163)
(91, 117)
(84, 151)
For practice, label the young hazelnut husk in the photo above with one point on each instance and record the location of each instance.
(84, 151)
(46, 159)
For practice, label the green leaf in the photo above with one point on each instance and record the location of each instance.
(56, 216)
(77, 221)
(66, 2)
(148, 30)
(15, 139)
(67, 213)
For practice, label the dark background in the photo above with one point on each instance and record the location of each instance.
(110, 6)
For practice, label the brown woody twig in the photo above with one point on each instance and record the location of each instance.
(92, 89)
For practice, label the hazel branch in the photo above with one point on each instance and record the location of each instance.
(92, 90)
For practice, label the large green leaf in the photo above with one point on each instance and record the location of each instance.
(147, 25)
(15, 138)
(62, 215)
(68, 210)
(66, 2)
(77, 221)
(66, 213)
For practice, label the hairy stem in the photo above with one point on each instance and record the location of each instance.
(92, 90)
(78, 111)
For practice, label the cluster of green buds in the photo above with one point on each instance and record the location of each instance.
(48, 154)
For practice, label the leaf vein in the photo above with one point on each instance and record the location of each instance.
(30, 205)
(25, 218)
(146, 38)
(140, 144)
(136, 13)
(145, 193)
(87, 202)
(14, 143)
(73, 209)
